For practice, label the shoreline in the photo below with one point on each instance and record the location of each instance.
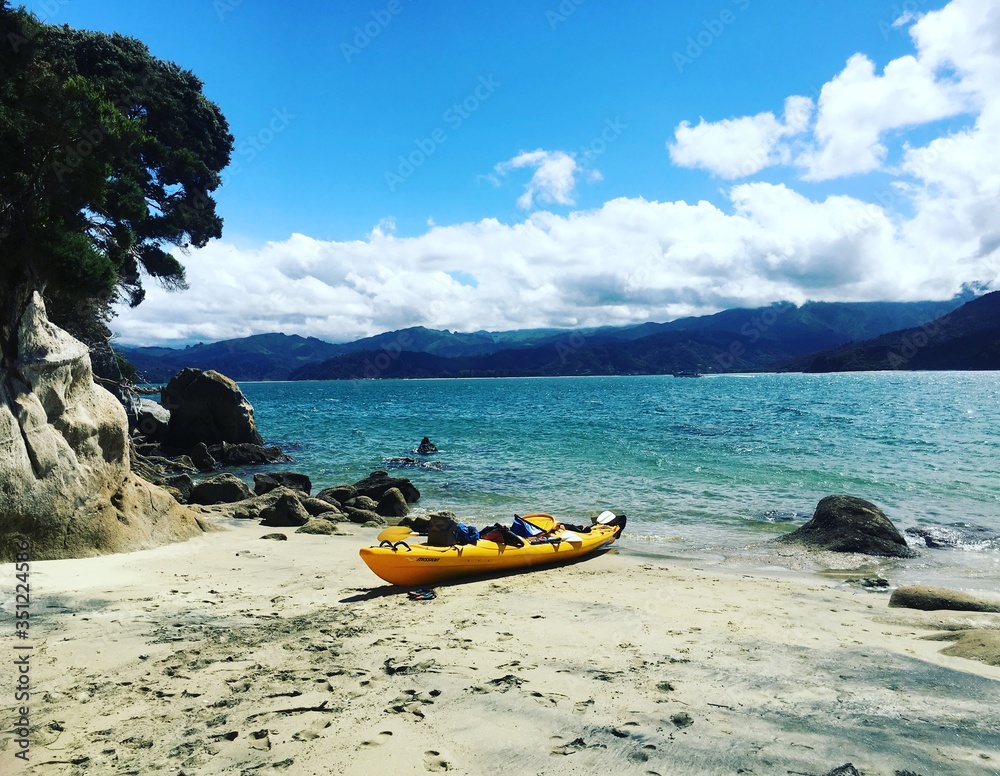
(229, 654)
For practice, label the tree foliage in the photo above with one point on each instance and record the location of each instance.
(108, 158)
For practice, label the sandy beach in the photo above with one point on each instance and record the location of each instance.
(237, 655)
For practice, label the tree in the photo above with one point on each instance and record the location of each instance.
(108, 156)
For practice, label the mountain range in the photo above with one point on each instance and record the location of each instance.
(815, 336)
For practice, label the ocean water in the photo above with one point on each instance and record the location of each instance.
(704, 467)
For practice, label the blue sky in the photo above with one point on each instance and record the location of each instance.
(502, 165)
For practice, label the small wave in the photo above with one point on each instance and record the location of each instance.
(776, 516)
(405, 462)
(960, 536)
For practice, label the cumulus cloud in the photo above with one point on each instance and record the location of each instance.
(950, 74)
(736, 148)
(553, 180)
(630, 260)
(858, 107)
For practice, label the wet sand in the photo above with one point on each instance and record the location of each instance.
(231, 654)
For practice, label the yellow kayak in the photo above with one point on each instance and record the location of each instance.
(402, 563)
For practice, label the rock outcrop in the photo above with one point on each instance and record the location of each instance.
(207, 407)
(850, 524)
(65, 470)
(262, 483)
(219, 489)
(287, 511)
(378, 482)
(392, 504)
(153, 419)
(931, 599)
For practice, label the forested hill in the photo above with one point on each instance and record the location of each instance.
(732, 340)
(966, 338)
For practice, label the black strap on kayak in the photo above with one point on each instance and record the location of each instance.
(394, 546)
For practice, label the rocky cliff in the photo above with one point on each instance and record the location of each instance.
(65, 481)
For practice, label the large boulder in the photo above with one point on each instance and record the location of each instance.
(319, 507)
(262, 483)
(247, 454)
(338, 494)
(66, 484)
(201, 458)
(363, 516)
(220, 489)
(153, 419)
(378, 482)
(976, 644)
(179, 486)
(362, 502)
(207, 407)
(850, 524)
(318, 526)
(392, 504)
(287, 512)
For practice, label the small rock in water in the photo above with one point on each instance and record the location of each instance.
(869, 582)
(426, 447)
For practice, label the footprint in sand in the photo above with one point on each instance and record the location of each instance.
(411, 701)
(549, 699)
(434, 762)
(380, 739)
(582, 706)
(572, 747)
(312, 732)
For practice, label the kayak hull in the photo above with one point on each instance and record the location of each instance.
(408, 564)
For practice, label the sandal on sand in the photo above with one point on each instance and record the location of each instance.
(421, 595)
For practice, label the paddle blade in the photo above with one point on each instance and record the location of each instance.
(394, 533)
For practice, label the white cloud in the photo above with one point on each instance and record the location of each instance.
(859, 106)
(954, 71)
(553, 180)
(628, 261)
(736, 148)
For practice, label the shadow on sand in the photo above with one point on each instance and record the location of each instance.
(369, 594)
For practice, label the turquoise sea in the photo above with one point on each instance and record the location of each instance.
(704, 467)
